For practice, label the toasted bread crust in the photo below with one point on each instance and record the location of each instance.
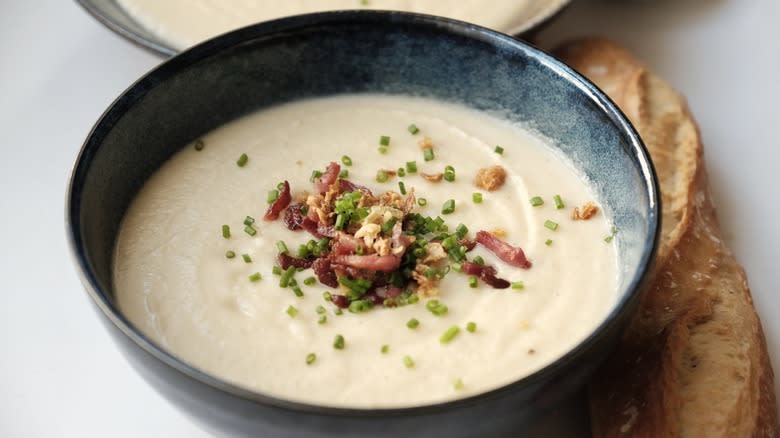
(693, 361)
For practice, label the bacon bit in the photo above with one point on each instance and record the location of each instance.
(468, 243)
(490, 178)
(324, 272)
(373, 297)
(370, 262)
(426, 143)
(346, 244)
(279, 204)
(346, 185)
(498, 232)
(293, 217)
(330, 176)
(340, 300)
(310, 226)
(285, 261)
(326, 230)
(585, 212)
(432, 177)
(388, 291)
(511, 255)
(485, 273)
(400, 240)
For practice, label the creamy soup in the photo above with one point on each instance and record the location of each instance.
(184, 23)
(176, 280)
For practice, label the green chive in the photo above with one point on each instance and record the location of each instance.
(230, 254)
(518, 285)
(246, 258)
(428, 154)
(314, 175)
(401, 172)
(338, 342)
(458, 385)
(413, 129)
(448, 207)
(287, 275)
(255, 277)
(382, 176)
(338, 311)
(413, 323)
(411, 166)
(449, 335)
(323, 319)
(558, 202)
(457, 267)
(282, 247)
(327, 296)
(551, 225)
(344, 174)
(478, 260)
(422, 202)
(250, 230)
(308, 281)
(408, 362)
(297, 290)
(476, 197)
(548, 242)
(346, 160)
(273, 195)
(249, 220)
(413, 299)
(402, 187)
(226, 231)
(461, 231)
(499, 150)
(537, 201)
(449, 173)
(341, 220)
(310, 358)
(199, 145)
(437, 308)
(384, 140)
(242, 160)
(276, 270)
(609, 238)
(472, 281)
(471, 327)
(385, 348)
(292, 311)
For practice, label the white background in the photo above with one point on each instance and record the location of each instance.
(59, 373)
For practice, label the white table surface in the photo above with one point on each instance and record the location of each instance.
(60, 375)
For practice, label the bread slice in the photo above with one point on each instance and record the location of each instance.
(693, 361)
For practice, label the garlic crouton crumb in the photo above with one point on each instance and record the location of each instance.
(490, 178)
(585, 212)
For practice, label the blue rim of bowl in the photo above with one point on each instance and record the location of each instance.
(294, 24)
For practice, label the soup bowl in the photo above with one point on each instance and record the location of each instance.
(357, 52)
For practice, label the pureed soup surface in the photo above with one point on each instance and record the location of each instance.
(184, 23)
(174, 280)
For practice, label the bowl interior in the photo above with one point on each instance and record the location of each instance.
(334, 53)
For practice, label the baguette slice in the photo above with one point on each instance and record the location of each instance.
(693, 361)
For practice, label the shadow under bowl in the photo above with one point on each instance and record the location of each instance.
(355, 52)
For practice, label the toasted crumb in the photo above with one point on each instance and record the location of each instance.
(585, 212)
(389, 172)
(531, 351)
(524, 324)
(490, 178)
(498, 232)
(432, 177)
(425, 143)
(299, 163)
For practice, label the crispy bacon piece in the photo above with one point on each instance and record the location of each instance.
(432, 177)
(400, 240)
(293, 217)
(346, 185)
(587, 211)
(468, 243)
(324, 272)
(285, 261)
(279, 204)
(340, 301)
(511, 255)
(388, 291)
(371, 262)
(330, 176)
(484, 273)
(346, 244)
(490, 178)
(374, 298)
(310, 226)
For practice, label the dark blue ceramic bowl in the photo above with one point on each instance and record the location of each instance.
(354, 52)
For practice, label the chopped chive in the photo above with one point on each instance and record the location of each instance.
(472, 281)
(476, 197)
(401, 172)
(413, 129)
(449, 335)
(344, 173)
(428, 154)
(338, 342)
(230, 254)
(471, 327)
(558, 202)
(413, 299)
(384, 140)
(385, 348)
(242, 160)
(287, 275)
(430, 272)
(411, 166)
(282, 247)
(296, 290)
(551, 225)
(338, 311)
(292, 311)
(457, 267)
(478, 260)
(402, 187)
(449, 173)
(322, 319)
(382, 150)
(518, 285)
(341, 220)
(458, 385)
(327, 296)
(250, 230)
(537, 201)
(308, 281)
(609, 238)
(226, 231)
(437, 308)
(408, 361)
(276, 270)
(199, 145)
(314, 175)
(255, 277)
(499, 150)
(448, 207)
(273, 195)
(413, 323)
(382, 176)
(246, 258)
(249, 220)
(422, 202)
(548, 242)
(310, 358)
(346, 160)
(461, 231)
